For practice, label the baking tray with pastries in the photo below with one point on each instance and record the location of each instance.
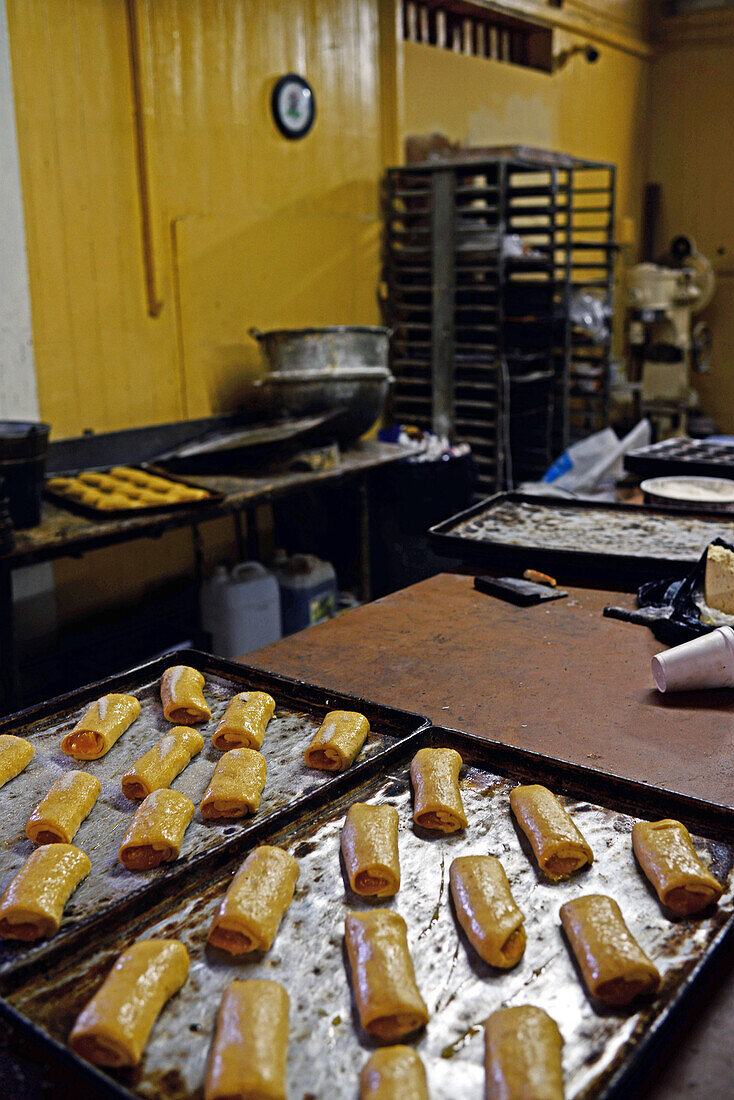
(122, 491)
(459, 919)
(122, 787)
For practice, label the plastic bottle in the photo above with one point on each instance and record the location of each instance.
(241, 609)
(307, 590)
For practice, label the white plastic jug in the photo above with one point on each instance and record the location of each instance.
(240, 609)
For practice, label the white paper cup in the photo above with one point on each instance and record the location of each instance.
(705, 662)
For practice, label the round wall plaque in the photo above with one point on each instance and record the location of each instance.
(294, 106)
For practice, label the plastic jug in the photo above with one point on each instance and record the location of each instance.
(307, 591)
(240, 609)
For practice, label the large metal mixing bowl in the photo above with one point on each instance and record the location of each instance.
(320, 349)
(357, 395)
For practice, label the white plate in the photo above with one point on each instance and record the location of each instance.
(681, 491)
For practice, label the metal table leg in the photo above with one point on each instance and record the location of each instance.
(365, 579)
(9, 684)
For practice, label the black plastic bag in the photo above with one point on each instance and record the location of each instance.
(669, 606)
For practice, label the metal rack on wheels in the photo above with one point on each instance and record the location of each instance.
(481, 254)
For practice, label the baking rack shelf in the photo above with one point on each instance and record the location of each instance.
(466, 314)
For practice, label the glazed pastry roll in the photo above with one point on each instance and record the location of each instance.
(370, 848)
(254, 905)
(182, 695)
(15, 754)
(33, 903)
(245, 721)
(57, 817)
(114, 1027)
(393, 1073)
(97, 480)
(389, 1002)
(250, 1050)
(156, 830)
(559, 847)
(434, 774)
(102, 725)
(486, 909)
(667, 856)
(160, 765)
(614, 966)
(522, 1055)
(338, 741)
(113, 502)
(236, 785)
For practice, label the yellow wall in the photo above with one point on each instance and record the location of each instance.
(692, 157)
(597, 111)
(247, 228)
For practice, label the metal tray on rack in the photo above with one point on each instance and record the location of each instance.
(111, 888)
(577, 541)
(606, 1052)
(682, 456)
(213, 496)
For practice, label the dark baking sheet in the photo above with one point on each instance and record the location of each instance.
(682, 456)
(110, 887)
(577, 541)
(604, 1051)
(213, 497)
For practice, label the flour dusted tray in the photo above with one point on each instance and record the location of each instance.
(605, 1053)
(110, 888)
(619, 545)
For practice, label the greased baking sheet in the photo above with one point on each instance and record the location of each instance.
(579, 540)
(299, 710)
(327, 1047)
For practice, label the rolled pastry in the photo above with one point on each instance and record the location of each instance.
(156, 830)
(161, 764)
(389, 1002)
(15, 754)
(57, 817)
(236, 785)
(103, 724)
(254, 905)
(370, 848)
(337, 741)
(522, 1055)
(245, 721)
(559, 847)
(393, 1073)
(182, 696)
(250, 1049)
(486, 909)
(114, 1027)
(33, 903)
(434, 774)
(98, 480)
(667, 856)
(614, 966)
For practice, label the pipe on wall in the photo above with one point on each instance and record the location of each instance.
(142, 160)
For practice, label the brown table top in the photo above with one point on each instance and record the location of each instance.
(557, 678)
